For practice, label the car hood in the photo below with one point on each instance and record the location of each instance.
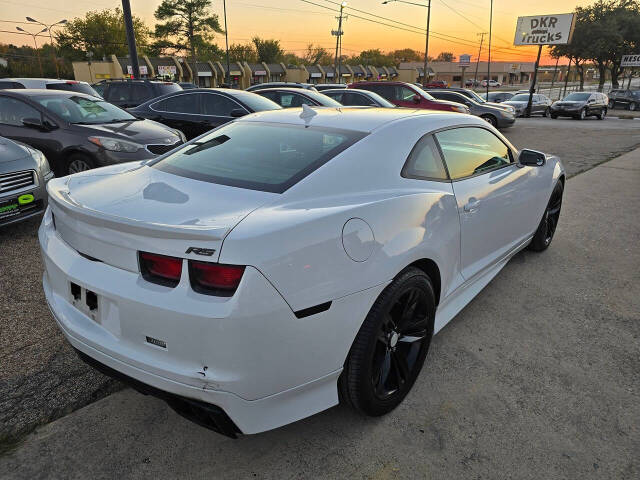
(139, 131)
(11, 151)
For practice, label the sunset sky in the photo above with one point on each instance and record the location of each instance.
(454, 23)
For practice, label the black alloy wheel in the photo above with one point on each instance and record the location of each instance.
(547, 227)
(390, 348)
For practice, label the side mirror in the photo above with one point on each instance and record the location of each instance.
(531, 158)
(416, 99)
(238, 112)
(35, 123)
(591, 100)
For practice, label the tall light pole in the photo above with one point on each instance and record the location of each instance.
(131, 38)
(34, 35)
(227, 79)
(426, 44)
(489, 57)
(54, 54)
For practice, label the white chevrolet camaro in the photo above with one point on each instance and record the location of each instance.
(290, 258)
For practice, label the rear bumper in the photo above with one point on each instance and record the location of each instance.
(248, 355)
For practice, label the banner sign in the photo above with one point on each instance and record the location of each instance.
(464, 60)
(545, 29)
(143, 70)
(630, 61)
(259, 72)
(167, 70)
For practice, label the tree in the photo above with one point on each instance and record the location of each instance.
(445, 57)
(578, 50)
(242, 53)
(101, 32)
(406, 55)
(371, 57)
(188, 26)
(316, 55)
(268, 51)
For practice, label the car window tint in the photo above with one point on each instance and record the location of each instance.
(187, 103)
(424, 161)
(385, 91)
(13, 112)
(259, 156)
(140, 93)
(357, 99)
(7, 84)
(118, 92)
(471, 151)
(337, 96)
(213, 104)
(405, 94)
(165, 88)
(289, 100)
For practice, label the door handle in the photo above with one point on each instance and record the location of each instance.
(472, 205)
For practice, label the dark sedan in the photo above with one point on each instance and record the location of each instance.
(198, 110)
(296, 97)
(77, 132)
(352, 97)
(499, 117)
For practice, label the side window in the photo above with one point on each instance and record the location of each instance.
(288, 100)
(187, 103)
(140, 92)
(271, 96)
(424, 161)
(213, 104)
(338, 96)
(405, 94)
(357, 99)
(13, 111)
(386, 91)
(471, 151)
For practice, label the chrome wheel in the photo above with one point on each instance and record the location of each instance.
(583, 114)
(632, 106)
(78, 165)
(490, 119)
(401, 336)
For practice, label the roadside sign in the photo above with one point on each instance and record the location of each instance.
(167, 70)
(545, 29)
(464, 60)
(143, 70)
(630, 61)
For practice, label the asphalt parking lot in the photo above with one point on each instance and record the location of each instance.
(537, 377)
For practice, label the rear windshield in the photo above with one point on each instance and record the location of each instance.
(270, 157)
(521, 97)
(256, 102)
(164, 88)
(73, 87)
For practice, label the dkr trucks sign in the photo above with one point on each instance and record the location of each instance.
(545, 29)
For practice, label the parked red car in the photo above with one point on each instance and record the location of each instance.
(437, 84)
(404, 94)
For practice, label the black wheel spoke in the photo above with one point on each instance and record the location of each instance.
(401, 367)
(385, 368)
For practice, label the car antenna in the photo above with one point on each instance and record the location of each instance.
(307, 113)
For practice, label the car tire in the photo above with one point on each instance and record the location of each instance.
(78, 162)
(583, 114)
(546, 112)
(612, 104)
(633, 106)
(602, 115)
(554, 116)
(391, 345)
(490, 119)
(547, 227)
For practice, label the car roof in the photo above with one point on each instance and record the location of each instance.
(300, 91)
(47, 80)
(349, 118)
(35, 92)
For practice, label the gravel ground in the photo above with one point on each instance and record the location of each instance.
(41, 378)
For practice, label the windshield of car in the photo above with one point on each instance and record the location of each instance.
(256, 102)
(420, 91)
(521, 97)
(577, 97)
(83, 110)
(73, 87)
(270, 157)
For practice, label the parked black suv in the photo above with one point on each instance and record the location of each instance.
(625, 98)
(127, 93)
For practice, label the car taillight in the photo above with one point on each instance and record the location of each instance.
(214, 278)
(160, 269)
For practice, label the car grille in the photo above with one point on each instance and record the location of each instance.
(16, 180)
(158, 149)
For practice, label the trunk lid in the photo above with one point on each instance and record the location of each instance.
(110, 214)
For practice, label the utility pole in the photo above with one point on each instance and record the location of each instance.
(566, 78)
(489, 59)
(131, 38)
(475, 77)
(227, 79)
(338, 33)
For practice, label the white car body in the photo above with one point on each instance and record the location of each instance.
(492, 83)
(337, 237)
